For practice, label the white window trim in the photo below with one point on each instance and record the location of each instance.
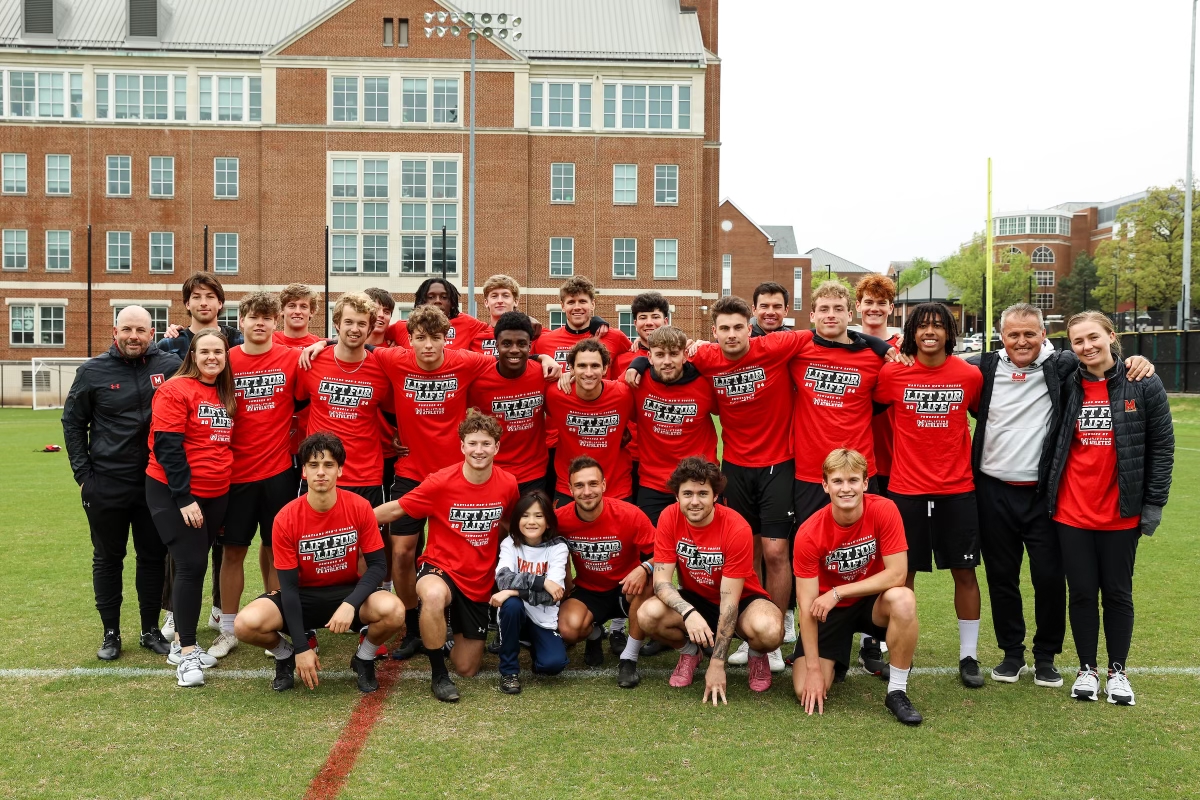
(238, 163)
(150, 173)
(237, 249)
(150, 254)
(106, 181)
(108, 245)
(70, 250)
(636, 176)
(619, 122)
(5, 111)
(654, 265)
(614, 258)
(550, 261)
(70, 177)
(37, 303)
(575, 124)
(396, 98)
(4, 235)
(216, 104)
(26, 155)
(570, 202)
(111, 116)
(657, 202)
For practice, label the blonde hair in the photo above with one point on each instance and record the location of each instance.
(668, 338)
(429, 320)
(845, 459)
(298, 291)
(831, 289)
(1103, 321)
(356, 302)
(501, 282)
(263, 304)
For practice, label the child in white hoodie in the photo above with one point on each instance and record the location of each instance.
(531, 576)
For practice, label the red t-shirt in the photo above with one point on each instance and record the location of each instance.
(932, 435)
(1088, 496)
(345, 400)
(464, 525)
(519, 405)
(484, 341)
(621, 362)
(838, 556)
(754, 397)
(674, 421)
(558, 343)
(191, 407)
(325, 546)
(833, 405)
(609, 547)
(722, 548)
(593, 428)
(265, 386)
(300, 419)
(881, 432)
(430, 405)
(298, 342)
(463, 330)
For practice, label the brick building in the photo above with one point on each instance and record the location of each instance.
(146, 139)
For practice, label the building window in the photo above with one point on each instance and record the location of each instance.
(120, 255)
(445, 180)
(666, 185)
(1042, 255)
(624, 258)
(1044, 277)
(558, 319)
(162, 251)
(536, 91)
(162, 176)
(225, 177)
(119, 181)
(237, 98)
(625, 322)
(21, 330)
(40, 324)
(158, 317)
(1009, 226)
(225, 253)
(560, 104)
(413, 255)
(726, 275)
(230, 101)
(647, 106)
(445, 100)
(562, 256)
(15, 173)
(624, 184)
(375, 100)
(58, 175)
(58, 251)
(345, 99)
(797, 290)
(375, 253)
(1044, 300)
(685, 107)
(16, 249)
(53, 325)
(562, 183)
(229, 316)
(137, 96)
(41, 95)
(660, 106)
(415, 100)
(666, 258)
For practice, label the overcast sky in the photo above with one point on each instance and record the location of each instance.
(867, 125)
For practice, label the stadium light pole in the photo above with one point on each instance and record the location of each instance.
(1187, 197)
(474, 25)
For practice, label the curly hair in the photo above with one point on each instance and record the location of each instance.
(322, 442)
(923, 313)
(260, 304)
(428, 320)
(478, 422)
(577, 285)
(589, 345)
(876, 285)
(356, 302)
(696, 470)
(422, 296)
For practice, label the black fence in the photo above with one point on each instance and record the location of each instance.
(1175, 354)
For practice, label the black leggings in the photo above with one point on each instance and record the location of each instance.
(189, 549)
(1100, 563)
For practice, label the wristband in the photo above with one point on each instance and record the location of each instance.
(835, 594)
(649, 569)
(689, 612)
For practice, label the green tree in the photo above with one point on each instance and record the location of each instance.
(913, 274)
(965, 272)
(1075, 292)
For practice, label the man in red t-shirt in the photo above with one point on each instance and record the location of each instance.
(468, 507)
(931, 482)
(442, 295)
(650, 311)
(875, 297)
(611, 544)
(851, 563)
(319, 539)
(719, 595)
(298, 303)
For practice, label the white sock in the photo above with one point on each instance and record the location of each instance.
(898, 680)
(632, 648)
(968, 639)
(789, 626)
(282, 650)
(227, 623)
(690, 649)
(216, 612)
(753, 653)
(387, 586)
(617, 625)
(169, 620)
(366, 649)
(596, 633)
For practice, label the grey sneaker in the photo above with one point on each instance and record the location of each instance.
(176, 656)
(968, 673)
(190, 673)
(509, 684)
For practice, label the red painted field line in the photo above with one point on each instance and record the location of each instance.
(331, 779)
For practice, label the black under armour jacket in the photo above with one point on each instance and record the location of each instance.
(180, 344)
(1143, 435)
(106, 419)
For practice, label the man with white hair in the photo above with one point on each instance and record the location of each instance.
(106, 426)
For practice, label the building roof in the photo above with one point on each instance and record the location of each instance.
(623, 30)
(919, 293)
(785, 239)
(820, 258)
(1049, 212)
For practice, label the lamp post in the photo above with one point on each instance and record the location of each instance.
(931, 271)
(475, 25)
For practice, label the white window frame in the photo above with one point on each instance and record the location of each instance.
(106, 110)
(539, 105)
(662, 173)
(1044, 300)
(726, 274)
(558, 318)
(395, 99)
(18, 240)
(67, 268)
(346, 108)
(108, 168)
(159, 308)
(72, 98)
(624, 169)
(38, 329)
(1038, 256)
(624, 274)
(58, 168)
(237, 177)
(164, 245)
(228, 315)
(20, 170)
(565, 247)
(1043, 277)
(626, 324)
(564, 178)
(235, 243)
(215, 98)
(110, 243)
(617, 111)
(169, 163)
(665, 247)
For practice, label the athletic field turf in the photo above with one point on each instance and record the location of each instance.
(72, 727)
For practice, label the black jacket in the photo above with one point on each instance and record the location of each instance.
(1142, 434)
(106, 419)
(180, 344)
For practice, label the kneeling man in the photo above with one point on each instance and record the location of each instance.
(719, 595)
(850, 563)
(317, 541)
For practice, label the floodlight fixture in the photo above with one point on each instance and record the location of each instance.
(429, 17)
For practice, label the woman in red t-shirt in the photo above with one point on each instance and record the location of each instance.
(187, 482)
(1108, 485)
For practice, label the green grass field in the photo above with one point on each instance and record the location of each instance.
(93, 734)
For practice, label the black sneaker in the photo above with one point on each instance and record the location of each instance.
(110, 648)
(1009, 670)
(509, 684)
(1046, 674)
(493, 646)
(285, 673)
(627, 674)
(870, 658)
(409, 647)
(616, 642)
(365, 670)
(593, 652)
(968, 672)
(898, 703)
(839, 673)
(154, 641)
(444, 689)
(652, 648)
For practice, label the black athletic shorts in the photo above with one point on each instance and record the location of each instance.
(372, 494)
(464, 615)
(809, 498)
(405, 526)
(319, 604)
(603, 605)
(535, 485)
(835, 636)
(253, 506)
(653, 502)
(551, 474)
(940, 529)
(763, 496)
(712, 612)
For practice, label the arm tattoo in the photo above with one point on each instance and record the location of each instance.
(725, 625)
(667, 593)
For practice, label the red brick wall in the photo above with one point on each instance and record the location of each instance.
(300, 96)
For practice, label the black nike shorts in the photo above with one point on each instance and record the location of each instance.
(466, 616)
(763, 496)
(253, 506)
(940, 529)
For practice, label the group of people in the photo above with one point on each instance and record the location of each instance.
(586, 487)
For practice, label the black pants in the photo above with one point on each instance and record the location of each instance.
(1012, 520)
(189, 549)
(1100, 563)
(168, 592)
(113, 508)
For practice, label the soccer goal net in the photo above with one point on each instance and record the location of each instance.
(49, 380)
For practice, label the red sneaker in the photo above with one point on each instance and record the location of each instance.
(312, 641)
(685, 670)
(760, 673)
(380, 652)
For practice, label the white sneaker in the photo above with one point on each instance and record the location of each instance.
(223, 645)
(214, 619)
(789, 626)
(176, 656)
(775, 659)
(739, 657)
(1087, 684)
(1117, 687)
(190, 672)
(168, 627)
